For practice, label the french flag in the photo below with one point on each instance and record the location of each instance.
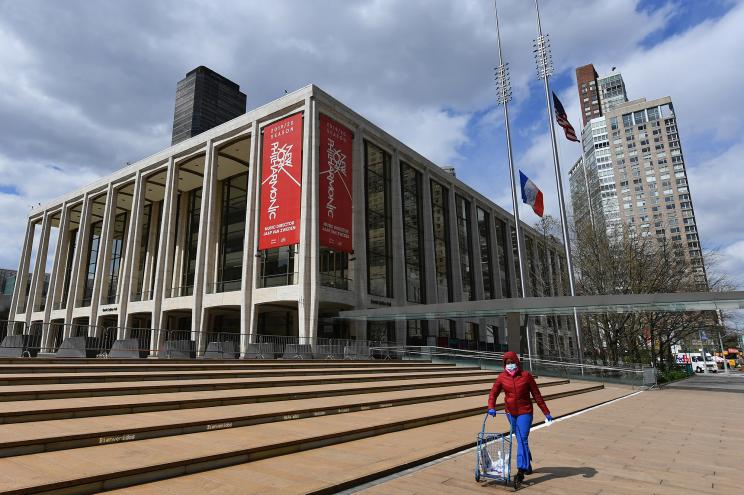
(531, 194)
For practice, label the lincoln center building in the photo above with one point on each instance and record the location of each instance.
(272, 223)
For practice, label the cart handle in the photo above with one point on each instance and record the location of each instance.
(483, 429)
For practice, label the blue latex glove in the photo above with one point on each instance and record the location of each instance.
(492, 412)
(549, 417)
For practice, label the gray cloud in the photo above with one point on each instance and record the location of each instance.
(87, 86)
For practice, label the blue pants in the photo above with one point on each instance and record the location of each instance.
(521, 425)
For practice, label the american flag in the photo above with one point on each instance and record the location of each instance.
(562, 119)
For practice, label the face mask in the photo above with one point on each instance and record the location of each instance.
(511, 367)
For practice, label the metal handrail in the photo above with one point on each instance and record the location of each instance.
(498, 356)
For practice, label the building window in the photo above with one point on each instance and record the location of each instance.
(277, 267)
(334, 269)
(192, 241)
(515, 257)
(94, 244)
(411, 191)
(440, 221)
(68, 268)
(232, 233)
(501, 252)
(484, 241)
(381, 331)
(416, 332)
(138, 294)
(379, 247)
(117, 252)
(465, 246)
(533, 267)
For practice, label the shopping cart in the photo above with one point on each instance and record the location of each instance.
(493, 454)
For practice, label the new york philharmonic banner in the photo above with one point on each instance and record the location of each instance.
(335, 185)
(281, 183)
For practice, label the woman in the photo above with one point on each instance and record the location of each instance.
(517, 386)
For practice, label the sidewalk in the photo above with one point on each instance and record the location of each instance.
(656, 442)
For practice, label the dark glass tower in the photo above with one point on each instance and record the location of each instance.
(204, 99)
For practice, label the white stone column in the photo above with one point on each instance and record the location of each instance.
(495, 263)
(398, 246)
(58, 268)
(164, 262)
(37, 281)
(100, 282)
(455, 270)
(248, 283)
(151, 253)
(81, 254)
(476, 265)
(128, 268)
(174, 278)
(358, 258)
(207, 217)
(429, 253)
(307, 305)
(19, 289)
(57, 278)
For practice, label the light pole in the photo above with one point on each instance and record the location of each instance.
(544, 70)
(503, 96)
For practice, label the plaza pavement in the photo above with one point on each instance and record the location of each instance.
(671, 441)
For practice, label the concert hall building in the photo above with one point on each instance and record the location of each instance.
(272, 223)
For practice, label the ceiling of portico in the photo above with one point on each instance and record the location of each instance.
(124, 197)
(233, 158)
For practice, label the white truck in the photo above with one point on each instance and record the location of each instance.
(698, 364)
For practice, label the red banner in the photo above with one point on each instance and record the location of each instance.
(335, 185)
(281, 183)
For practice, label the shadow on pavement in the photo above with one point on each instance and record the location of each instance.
(543, 474)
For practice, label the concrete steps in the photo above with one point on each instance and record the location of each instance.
(71, 390)
(40, 410)
(42, 436)
(91, 469)
(141, 375)
(334, 468)
(89, 432)
(38, 365)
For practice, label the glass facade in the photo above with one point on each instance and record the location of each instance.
(465, 246)
(94, 241)
(68, 268)
(383, 331)
(379, 246)
(334, 269)
(192, 240)
(277, 267)
(142, 249)
(484, 243)
(440, 221)
(117, 252)
(501, 252)
(232, 233)
(411, 191)
(515, 257)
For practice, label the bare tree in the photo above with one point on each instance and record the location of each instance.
(626, 262)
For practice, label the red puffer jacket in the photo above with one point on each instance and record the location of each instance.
(517, 389)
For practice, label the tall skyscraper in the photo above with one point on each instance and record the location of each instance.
(586, 80)
(204, 99)
(632, 171)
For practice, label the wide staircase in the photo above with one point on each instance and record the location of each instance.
(179, 427)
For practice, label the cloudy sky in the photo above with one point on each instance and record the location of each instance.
(87, 86)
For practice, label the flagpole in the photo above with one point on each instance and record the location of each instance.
(545, 69)
(503, 97)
